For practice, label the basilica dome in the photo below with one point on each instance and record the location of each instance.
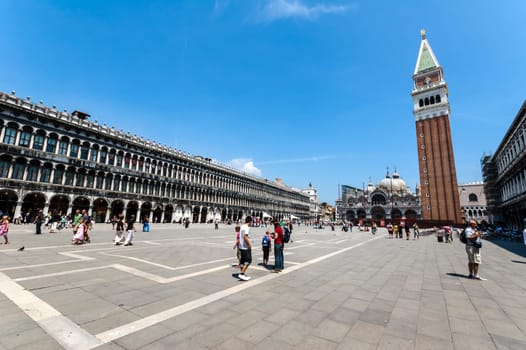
(370, 188)
(394, 184)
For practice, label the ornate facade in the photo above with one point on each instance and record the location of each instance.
(436, 160)
(504, 175)
(59, 162)
(389, 200)
(473, 201)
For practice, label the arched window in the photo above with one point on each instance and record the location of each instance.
(63, 146)
(437, 99)
(84, 150)
(51, 145)
(25, 137)
(10, 135)
(473, 197)
(426, 101)
(432, 100)
(19, 169)
(58, 174)
(38, 141)
(421, 103)
(32, 171)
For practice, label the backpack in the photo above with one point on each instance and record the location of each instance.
(286, 235)
(463, 237)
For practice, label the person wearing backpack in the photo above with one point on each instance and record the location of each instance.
(473, 246)
(278, 247)
(265, 245)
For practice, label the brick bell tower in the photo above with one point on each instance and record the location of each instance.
(436, 161)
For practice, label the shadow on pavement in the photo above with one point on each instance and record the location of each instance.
(454, 274)
(519, 262)
(512, 246)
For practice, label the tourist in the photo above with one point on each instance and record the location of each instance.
(39, 220)
(119, 230)
(145, 224)
(373, 229)
(80, 233)
(473, 246)
(395, 230)
(130, 230)
(390, 230)
(236, 247)
(278, 247)
(265, 246)
(407, 230)
(416, 231)
(4, 228)
(216, 223)
(246, 249)
(87, 223)
(114, 220)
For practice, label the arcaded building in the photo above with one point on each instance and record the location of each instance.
(59, 162)
(436, 160)
(504, 175)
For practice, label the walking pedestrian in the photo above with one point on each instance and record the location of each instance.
(473, 246)
(130, 230)
(119, 230)
(246, 249)
(4, 228)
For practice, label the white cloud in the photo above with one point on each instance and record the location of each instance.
(246, 165)
(274, 10)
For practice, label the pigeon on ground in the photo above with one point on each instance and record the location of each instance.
(21, 248)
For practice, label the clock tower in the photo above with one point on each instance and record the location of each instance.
(436, 161)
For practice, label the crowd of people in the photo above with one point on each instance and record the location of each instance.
(279, 236)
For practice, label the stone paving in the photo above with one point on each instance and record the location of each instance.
(175, 288)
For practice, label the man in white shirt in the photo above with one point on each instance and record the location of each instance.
(245, 248)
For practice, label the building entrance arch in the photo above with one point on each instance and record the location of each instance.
(204, 213)
(117, 207)
(396, 214)
(361, 214)
(131, 209)
(33, 202)
(146, 209)
(157, 213)
(81, 203)
(8, 199)
(195, 214)
(100, 208)
(59, 204)
(349, 215)
(377, 213)
(168, 213)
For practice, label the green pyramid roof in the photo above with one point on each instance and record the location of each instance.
(426, 58)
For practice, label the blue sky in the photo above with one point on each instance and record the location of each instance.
(309, 91)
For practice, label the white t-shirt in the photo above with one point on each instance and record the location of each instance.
(242, 233)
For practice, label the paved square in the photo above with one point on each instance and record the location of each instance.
(176, 288)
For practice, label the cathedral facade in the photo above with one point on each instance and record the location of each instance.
(390, 200)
